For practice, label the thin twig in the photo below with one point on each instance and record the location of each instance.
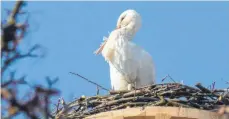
(171, 78)
(97, 90)
(89, 81)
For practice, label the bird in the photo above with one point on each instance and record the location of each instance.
(130, 65)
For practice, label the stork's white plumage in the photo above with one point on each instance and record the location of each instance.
(129, 64)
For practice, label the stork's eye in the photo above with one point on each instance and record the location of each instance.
(122, 19)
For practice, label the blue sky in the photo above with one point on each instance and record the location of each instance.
(188, 40)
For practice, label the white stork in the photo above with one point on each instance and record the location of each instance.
(130, 65)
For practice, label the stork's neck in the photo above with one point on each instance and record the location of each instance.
(128, 32)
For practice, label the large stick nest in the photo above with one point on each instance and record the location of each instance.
(168, 94)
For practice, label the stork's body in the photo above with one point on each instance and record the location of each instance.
(129, 64)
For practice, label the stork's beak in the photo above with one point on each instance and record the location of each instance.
(99, 50)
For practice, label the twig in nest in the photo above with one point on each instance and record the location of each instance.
(97, 90)
(89, 81)
(161, 102)
(198, 85)
(169, 78)
(118, 92)
(164, 78)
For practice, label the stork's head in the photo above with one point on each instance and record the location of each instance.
(130, 20)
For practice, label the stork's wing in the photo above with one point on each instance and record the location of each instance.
(125, 58)
(134, 61)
